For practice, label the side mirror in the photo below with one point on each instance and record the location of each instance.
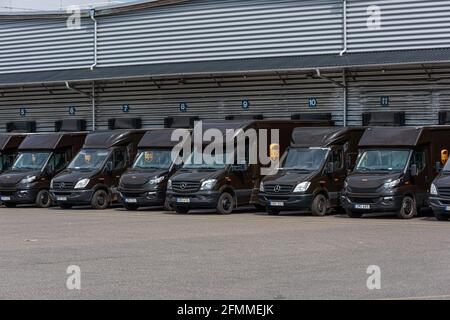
(109, 167)
(414, 171)
(330, 169)
(438, 167)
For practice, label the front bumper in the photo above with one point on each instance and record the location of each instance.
(196, 200)
(21, 196)
(286, 202)
(439, 205)
(142, 198)
(72, 197)
(367, 203)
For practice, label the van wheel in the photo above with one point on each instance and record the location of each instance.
(65, 206)
(353, 214)
(43, 199)
(441, 217)
(167, 206)
(272, 211)
(225, 204)
(319, 206)
(9, 205)
(131, 207)
(100, 200)
(181, 210)
(408, 209)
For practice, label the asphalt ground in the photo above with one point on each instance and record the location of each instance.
(151, 254)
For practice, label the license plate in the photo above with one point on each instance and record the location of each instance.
(183, 200)
(61, 198)
(130, 200)
(277, 204)
(362, 206)
(447, 208)
(5, 198)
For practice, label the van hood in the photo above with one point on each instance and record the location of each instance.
(74, 175)
(371, 180)
(197, 175)
(442, 180)
(140, 177)
(14, 176)
(289, 177)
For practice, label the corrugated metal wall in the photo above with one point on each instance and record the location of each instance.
(229, 29)
(420, 93)
(45, 105)
(404, 24)
(44, 44)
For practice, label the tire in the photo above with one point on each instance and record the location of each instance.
(167, 206)
(43, 199)
(9, 204)
(181, 210)
(441, 217)
(353, 214)
(65, 206)
(408, 209)
(272, 211)
(225, 204)
(319, 205)
(131, 207)
(100, 200)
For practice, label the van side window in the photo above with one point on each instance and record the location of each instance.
(337, 158)
(418, 158)
(58, 160)
(119, 159)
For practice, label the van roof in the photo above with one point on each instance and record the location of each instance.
(158, 138)
(391, 136)
(109, 138)
(320, 136)
(10, 140)
(48, 141)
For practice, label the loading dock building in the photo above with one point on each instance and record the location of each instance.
(211, 58)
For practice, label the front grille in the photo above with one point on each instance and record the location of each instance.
(132, 186)
(278, 189)
(133, 194)
(63, 185)
(444, 191)
(7, 186)
(364, 200)
(183, 186)
(8, 192)
(277, 198)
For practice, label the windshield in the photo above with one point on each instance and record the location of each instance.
(446, 167)
(220, 164)
(304, 159)
(31, 160)
(153, 159)
(382, 160)
(89, 159)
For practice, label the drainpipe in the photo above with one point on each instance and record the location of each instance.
(93, 105)
(344, 82)
(92, 15)
(344, 13)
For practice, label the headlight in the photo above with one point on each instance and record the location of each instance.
(28, 179)
(261, 187)
(169, 185)
(82, 184)
(392, 184)
(433, 190)
(51, 184)
(208, 184)
(302, 187)
(345, 184)
(156, 180)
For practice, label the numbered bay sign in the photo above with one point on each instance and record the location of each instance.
(384, 101)
(23, 112)
(72, 111)
(312, 102)
(183, 107)
(245, 104)
(125, 108)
